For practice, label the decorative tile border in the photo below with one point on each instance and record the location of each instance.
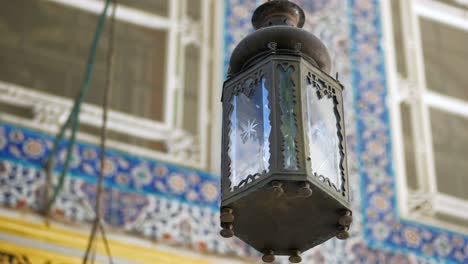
(122, 171)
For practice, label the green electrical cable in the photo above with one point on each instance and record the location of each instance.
(74, 115)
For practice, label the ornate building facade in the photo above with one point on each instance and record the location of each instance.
(161, 196)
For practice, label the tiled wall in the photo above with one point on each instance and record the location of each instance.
(179, 206)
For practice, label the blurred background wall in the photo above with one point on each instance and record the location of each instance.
(404, 65)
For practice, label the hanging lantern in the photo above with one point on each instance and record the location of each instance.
(284, 172)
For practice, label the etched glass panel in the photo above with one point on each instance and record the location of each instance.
(249, 149)
(288, 119)
(322, 133)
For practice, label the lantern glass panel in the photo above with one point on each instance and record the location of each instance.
(288, 118)
(250, 130)
(322, 133)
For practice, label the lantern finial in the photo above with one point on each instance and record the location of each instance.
(278, 25)
(278, 12)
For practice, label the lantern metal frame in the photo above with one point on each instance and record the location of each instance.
(245, 82)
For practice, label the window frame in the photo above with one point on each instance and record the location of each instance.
(50, 111)
(422, 204)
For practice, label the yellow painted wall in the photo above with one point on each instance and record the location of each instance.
(43, 233)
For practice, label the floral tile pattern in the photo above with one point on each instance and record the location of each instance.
(121, 171)
(149, 216)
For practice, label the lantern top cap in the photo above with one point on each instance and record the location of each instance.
(278, 25)
(278, 12)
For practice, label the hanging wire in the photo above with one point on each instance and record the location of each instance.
(91, 245)
(106, 243)
(98, 223)
(93, 253)
(73, 119)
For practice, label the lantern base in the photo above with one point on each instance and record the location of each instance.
(286, 222)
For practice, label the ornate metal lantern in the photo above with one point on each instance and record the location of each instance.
(284, 172)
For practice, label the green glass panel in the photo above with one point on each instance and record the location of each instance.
(288, 119)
